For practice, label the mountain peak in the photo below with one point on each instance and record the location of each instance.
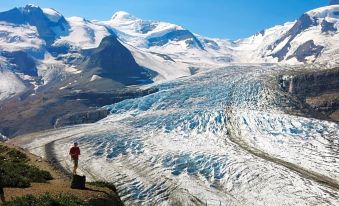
(334, 2)
(122, 15)
(31, 8)
(28, 6)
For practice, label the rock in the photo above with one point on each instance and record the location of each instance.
(81, 118)
(328, 27)
(78, 182)
(303, 23)
(113, 61)
(3, 138)
(22, 62)
(318, 90)
(305, 50)
(177, 35)
(311, 83)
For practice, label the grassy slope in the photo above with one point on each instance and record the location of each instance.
(52, 188)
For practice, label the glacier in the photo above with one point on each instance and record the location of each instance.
(226, 136)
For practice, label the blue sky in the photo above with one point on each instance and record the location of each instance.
(231, 19)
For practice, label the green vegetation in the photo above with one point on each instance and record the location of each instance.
(16, 170)
(103, 184)
(46, 200)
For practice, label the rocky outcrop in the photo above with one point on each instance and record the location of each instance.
(81, 118)
(177, 35)
(311, 83)
(114, 61)
(70, 107)
(319, 90)
(99, 99)
(2, 138)
(303, 23)
(305, 50)
(328, 27)
(21, 62)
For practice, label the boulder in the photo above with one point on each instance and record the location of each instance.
(81, 118)
(78, 182)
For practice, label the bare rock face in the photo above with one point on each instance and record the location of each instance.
(318, 90)
(328, 27)
(313, 83)
(81, 118)
(114, 61)
(303, 23)
(307, 49)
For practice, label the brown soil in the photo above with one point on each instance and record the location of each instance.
(61, 185)
(324, 99)
(327, 103)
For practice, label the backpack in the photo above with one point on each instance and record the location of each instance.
(78, 182)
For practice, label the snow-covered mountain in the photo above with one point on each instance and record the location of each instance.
(165, 38)
(39, 45)
(311, 38)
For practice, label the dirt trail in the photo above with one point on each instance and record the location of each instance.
(61, 185)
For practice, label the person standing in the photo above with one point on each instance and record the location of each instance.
(74, 152)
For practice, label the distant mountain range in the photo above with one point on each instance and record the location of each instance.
(40, 46)
(54, 65)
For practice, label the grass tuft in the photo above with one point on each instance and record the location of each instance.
(108, 185)
(46, 200)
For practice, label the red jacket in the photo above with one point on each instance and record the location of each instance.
(74, 152)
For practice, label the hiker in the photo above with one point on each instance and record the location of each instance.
(2, 193)
(75, 152)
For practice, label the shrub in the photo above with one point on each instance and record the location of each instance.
(109, 185)
(17, 156)
(12, 155)
(46, 200)
(16, 172)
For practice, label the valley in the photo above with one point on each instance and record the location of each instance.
(171, 117)
(233, 137)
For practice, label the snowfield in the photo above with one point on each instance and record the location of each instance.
(10, 83)
(222, 137)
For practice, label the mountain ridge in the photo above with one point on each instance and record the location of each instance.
(54, 44)
(47, 56)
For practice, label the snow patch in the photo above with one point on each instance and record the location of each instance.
(95, 77)
(122, 16)
(10, 84)
(52, 14)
